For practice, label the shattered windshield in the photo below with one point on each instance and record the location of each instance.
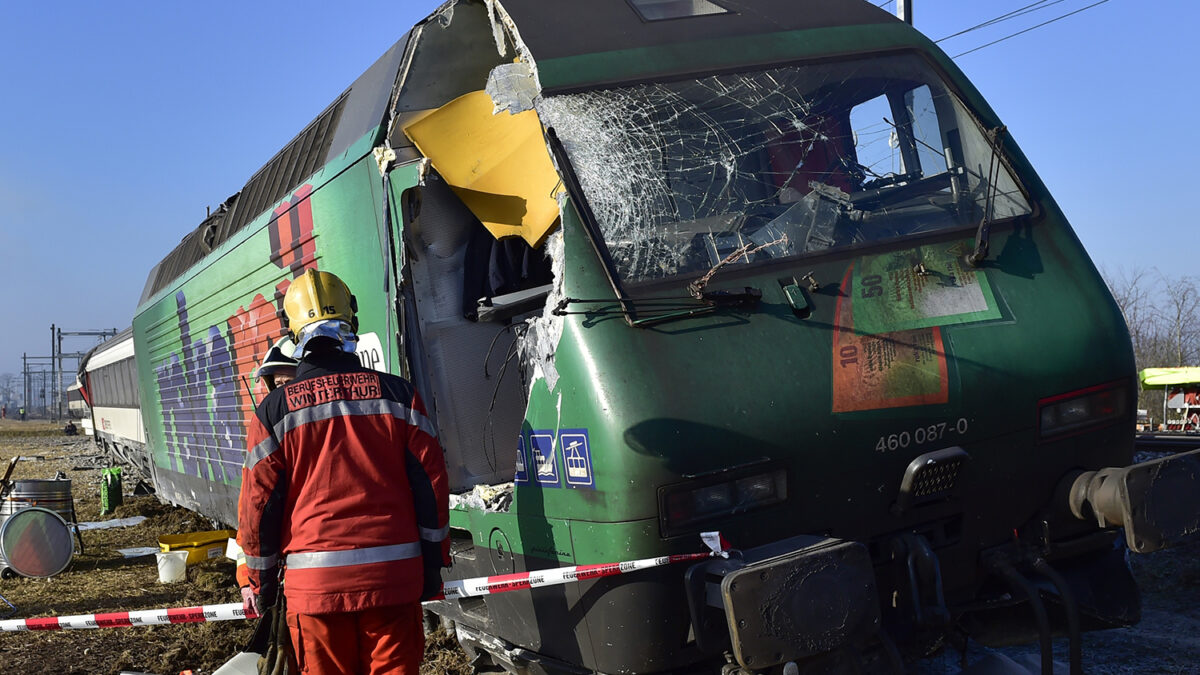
(778, 163)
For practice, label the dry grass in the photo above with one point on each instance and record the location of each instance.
(101, 580)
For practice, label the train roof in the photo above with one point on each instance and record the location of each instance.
(116, 348)
(572, 32)
(354, 113)
(574, 45)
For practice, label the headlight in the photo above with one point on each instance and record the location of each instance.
(689, 504)
(1083, 409)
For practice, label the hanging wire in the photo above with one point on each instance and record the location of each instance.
(1044, 23)
(513, 351)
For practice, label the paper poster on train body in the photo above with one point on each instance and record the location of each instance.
(919, 288)
(888, 370)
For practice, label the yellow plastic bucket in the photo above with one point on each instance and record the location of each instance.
(200, 546)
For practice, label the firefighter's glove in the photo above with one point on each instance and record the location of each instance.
(431, 557)
(252, 602)
(433, 580)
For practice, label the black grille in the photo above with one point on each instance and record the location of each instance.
(930, 477)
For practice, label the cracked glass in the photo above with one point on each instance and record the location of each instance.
(778, 163)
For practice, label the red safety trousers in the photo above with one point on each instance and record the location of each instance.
(378, 641)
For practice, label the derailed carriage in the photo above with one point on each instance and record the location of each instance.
(767, 267)
(110, 386)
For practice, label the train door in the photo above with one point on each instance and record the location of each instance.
(463, 298)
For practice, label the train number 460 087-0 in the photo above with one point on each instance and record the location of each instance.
(929, 433)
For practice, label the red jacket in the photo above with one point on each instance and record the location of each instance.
(345, 483)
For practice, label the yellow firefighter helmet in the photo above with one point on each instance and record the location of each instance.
(318, 296)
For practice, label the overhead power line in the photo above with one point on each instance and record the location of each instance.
(1020, 32)
(1021, 11)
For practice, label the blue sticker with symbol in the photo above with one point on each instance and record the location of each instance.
(522, 475)
(545, 468)
(576, 457)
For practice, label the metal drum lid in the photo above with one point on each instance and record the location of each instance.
(36, 542)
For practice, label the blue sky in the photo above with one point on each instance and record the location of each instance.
(125, 120)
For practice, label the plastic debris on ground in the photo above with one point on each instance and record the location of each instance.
(138, 552)
(245, 663)
(115, 522)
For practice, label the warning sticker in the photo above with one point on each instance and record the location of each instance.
(886, 370)
(918, 288)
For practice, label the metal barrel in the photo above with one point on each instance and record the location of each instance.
(54, 495)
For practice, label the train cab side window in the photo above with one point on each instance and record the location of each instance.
(926, 130)
(898, 134)
(875, 140)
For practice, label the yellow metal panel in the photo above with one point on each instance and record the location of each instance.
(496, 163)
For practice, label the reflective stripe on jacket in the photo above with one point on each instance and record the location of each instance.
(345, 484)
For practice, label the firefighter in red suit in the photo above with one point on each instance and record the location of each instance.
(345, 488)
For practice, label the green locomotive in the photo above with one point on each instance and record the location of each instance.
(767, 267)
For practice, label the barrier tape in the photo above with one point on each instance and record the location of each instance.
(503, 583)
(146, 617)
(461, 588)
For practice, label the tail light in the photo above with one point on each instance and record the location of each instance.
(1083, 409)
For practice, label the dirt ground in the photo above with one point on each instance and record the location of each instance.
(101, 580)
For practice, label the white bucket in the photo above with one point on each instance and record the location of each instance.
(172, 566)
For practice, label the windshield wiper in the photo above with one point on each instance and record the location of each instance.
(661, 309)
(989, 203)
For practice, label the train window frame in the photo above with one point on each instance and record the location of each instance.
(105, 392)
(130, 384)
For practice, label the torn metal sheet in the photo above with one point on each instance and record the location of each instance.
(512, 87)
(497, 29)
(444, 15)
(541, 339)
(503, 25)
